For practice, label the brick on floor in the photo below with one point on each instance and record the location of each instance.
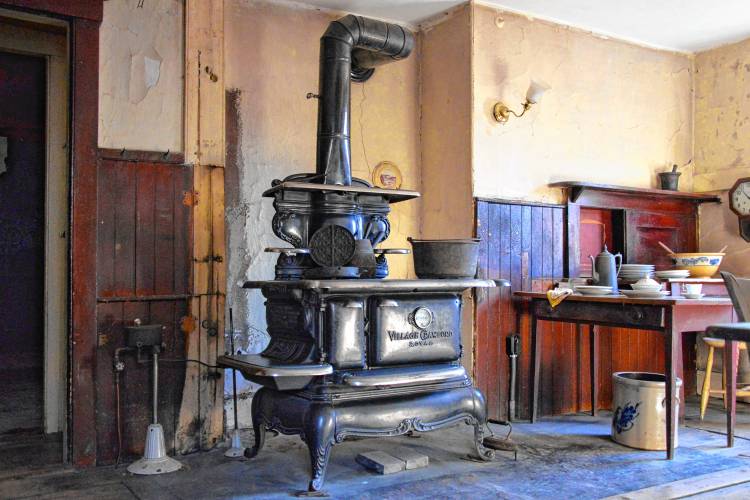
(412, 459)
(380, 462)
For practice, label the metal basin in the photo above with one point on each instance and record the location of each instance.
(445, 258)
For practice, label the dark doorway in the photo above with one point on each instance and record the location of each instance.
(23, 95)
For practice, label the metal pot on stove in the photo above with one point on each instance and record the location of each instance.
(449, 258)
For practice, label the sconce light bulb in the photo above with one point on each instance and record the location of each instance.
(536, 90)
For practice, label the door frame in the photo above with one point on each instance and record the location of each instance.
(83, 18)
(53, 47)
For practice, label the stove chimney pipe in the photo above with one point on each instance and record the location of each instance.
(350, 48)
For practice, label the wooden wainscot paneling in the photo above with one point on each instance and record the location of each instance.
(144, 263)
(526, 244)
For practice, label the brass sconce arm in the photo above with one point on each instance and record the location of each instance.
(502, 113)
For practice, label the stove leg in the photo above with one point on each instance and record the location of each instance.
(319, 434)
(485, 454)
(259, 427)
(479, 421)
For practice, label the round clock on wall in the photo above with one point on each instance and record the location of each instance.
(739, 201)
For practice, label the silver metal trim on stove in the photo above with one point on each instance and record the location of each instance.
(255, 364)
(379, 286)
(410, 375)
(393, 195)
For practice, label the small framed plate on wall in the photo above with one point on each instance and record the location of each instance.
(387, 175)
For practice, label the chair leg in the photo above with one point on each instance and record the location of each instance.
(724, 361)
(730, 366)
(706, 391)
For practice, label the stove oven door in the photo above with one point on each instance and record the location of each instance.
(414, 329)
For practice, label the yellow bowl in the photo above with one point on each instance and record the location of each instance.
(700, 265)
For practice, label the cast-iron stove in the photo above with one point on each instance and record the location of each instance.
(351, 353)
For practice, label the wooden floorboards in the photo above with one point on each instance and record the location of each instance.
(720, 484)
(21, 400)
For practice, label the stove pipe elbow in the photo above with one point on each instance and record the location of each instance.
(350, 48)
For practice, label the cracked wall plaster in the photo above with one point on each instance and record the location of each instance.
(271, 63)
(141, 75)
(722, 125)
(722, 116)
(617, 113)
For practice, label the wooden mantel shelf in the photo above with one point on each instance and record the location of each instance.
(577, 188)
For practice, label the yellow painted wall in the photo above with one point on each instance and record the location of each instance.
(617, 113)
(722, 155)
(271, 63)
(445, 87)
(445, 90)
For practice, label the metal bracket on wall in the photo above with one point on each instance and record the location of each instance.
(190, 198)
(211, 327)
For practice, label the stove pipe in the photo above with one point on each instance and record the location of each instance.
(350, 49)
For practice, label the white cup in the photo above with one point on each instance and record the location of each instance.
(691, 288)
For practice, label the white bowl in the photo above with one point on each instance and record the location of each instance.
(646, 285)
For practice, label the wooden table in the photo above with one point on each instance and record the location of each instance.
(669, 316)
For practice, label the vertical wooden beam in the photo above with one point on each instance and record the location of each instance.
(670, 351)
(536, 352)
(82, 348)
(201, 414)
(204, 82)
(594, 368)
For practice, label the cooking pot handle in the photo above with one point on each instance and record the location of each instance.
(618, 259)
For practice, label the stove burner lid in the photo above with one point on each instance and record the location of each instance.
(332, 246)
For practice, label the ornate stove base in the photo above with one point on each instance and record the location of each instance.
(322, 424)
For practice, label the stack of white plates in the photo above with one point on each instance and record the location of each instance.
(673, 274)
(634, 272)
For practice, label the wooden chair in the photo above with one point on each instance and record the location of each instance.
(713, 344)
(732, 335)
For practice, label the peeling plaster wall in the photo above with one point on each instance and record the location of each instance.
(616, 113)
(271, 63)
(722, 116)
(722, 125)
(141, 75)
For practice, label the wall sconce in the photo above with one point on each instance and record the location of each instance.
(502, 113)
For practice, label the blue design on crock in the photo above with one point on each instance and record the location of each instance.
(624, 417)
